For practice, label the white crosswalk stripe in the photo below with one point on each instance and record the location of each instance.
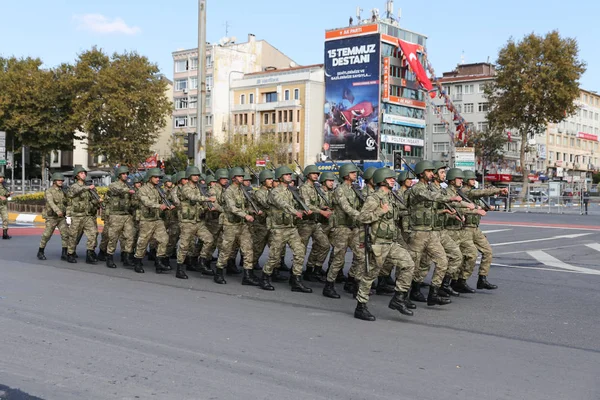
(547, 259)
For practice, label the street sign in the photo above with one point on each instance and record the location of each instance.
(261, 163)
(465, 158)
(2, 162)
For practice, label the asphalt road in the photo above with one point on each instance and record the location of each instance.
(88, 332)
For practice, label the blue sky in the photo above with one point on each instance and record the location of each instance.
(58, 30)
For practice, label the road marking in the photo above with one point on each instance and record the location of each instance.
(595, 246)
(497, 230)
(573, 236)
(541, 225)
(538, 268)
(547, 259)
(525, 251)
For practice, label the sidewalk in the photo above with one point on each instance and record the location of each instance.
(33, 219)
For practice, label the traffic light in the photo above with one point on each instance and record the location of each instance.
(190, 145)
(397, 160)
(354, 125)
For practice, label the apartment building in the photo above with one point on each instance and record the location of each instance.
(225, 62)
(285, 104)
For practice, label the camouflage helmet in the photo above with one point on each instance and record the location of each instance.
(402, 176)
(78, 169)
(153, 172)
(469, 174)
(57, 176)
(236, 171)
(311, 169)
(454, 173)
(221, 173)
(179, 176)
(210, 179)
(437, 165)
(423, 166)
(346, 169)
(167, 178)
(368, 174)
(247, 177)
(265, 174)
(202, 177)
(123, 169)
(327, 176)
(192, 170)
(137, 179)
(381, 174)
(283, 170)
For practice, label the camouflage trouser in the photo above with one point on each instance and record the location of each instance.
(482, 244)
(4, 216)
(88, 226)
(320, 243)
(381, 252)
(388, 265)
(260, 237)
(105, 233)
(342, 237)
(464, 239)
(278, 239)
(152, 230)
(323, 255)
(428, 243)
(236, 237)
(215, 228)
(173, 232)
(453, 254)
(51, 224)
(188, 231)
(119, 227)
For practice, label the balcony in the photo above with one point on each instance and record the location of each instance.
(288, 104)
(241, 130)
(285, 127)
(243, 107)
(457, 97)
(266, 106)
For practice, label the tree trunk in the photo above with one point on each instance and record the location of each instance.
(524, 137)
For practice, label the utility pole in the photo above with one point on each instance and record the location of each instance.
(201, 107)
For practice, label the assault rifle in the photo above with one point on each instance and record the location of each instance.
(96, 196)
(163, 197)
(296, 195)
(317, 186)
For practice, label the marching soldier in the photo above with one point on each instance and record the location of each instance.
(151, 225)
(368, 178)
(236, 231)
(83, 210)
(172, 221)
(55, 214)
(192, 223)
(478, 237)
(423, 240)
(380, 214)
(120, 224)
(308, 227)
(281, 222)
(4, 195)
(105, 218)
(213, 217)
(259, 229)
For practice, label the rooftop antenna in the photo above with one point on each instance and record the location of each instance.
(226, 28)
(399, 14)
(358, 11)
(462, 58)
(389, 8)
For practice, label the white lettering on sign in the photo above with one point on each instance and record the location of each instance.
(352, 55)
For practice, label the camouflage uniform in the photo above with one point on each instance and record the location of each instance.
(4, 206)
(462, 237)
(151, 225)
(83, 210)
(308, 227)
(259, 229)
(401, 215)
(191, 220)
(120, 223)
(172, 220)
(56, 202)
(214, 223)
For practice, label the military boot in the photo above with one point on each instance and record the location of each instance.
(409, 304)
(40, 254)
(265, 282)
(351, 285)
(415, 293)
(188, 261)
(220, 276)
(101, 255)
(5, 234)
(434, 298)
(180, 273)
(90, 257)
(152, 255)
(232, 268)
(382, 286)
(249, 278)
(110, 262)
(71, 258)
(126, 259)
(446, 288)
(123, 257)
(205, 267)
(318, 275)
(329, 291)
(161, 264)
(63, 254)
(398, 302)
(194, 265)
(362, 312)
(482, 283)
(461, 286)
(282, 266)
(309, 275)
(137, 265)
(297, 285)
(277, 277)
(340, 278)
(256, 266)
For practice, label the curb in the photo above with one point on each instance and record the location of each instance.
(35, 219)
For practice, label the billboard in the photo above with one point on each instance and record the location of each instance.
(352, 71)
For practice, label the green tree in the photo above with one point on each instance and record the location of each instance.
(489, 146)
(237, 153)
(121, 103)
(537, 82)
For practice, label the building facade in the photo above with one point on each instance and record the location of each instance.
(225, 62)
(284, 105)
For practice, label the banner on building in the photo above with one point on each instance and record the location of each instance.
(465, 158)
(386, 78)
(352, 72)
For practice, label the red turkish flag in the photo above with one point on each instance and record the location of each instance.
(360, 110)
(410, 54)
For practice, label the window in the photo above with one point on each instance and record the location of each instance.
(194, 63)
(482, 126)
(446, 89)
(585, 114)
(193, 120)
(565, 140)
(469, 89)
(251, 98)
(550, 155)
(209, 82)
(273, 117)
(458, 89)
(181, 103)
(286, 95)
(181, 65)
(481, 88)
(236, 121)
(209, 120)
(180, 84)
(181, 122)
(243, 99)
(209, 61)
(551, 139)
(296, 94)
(253, 121)
(271, 97)
(245, 119)
(193, 102)
(207, 100)
(266, 118)
(439, 128)
(558, 156)
(457, 106)
(579, 143)
(483, 107)
(298, 116)
(445, 109)
(441, 147)
(193, 82)
(572, 142)
(468, 107)
(291, 116)
(285, 116)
